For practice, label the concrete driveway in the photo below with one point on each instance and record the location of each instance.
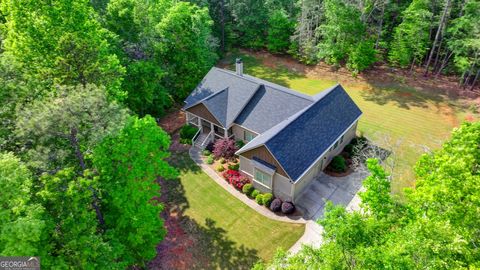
(339, 190)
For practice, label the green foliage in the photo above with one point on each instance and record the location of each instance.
(259, 198)
(223, 160)
(280, 28)
(73, 228)
(267, 198)
(255, 193)
(21, 220)
(248, 189)
(411, 38)
(145, 94)
(209, 160)
(129, 164)
(361, 57)
(239, 144)
(234, 167)
(341, 34)
(185, 34)
(338, 164)
(186, 133)
(62, 129)
(206, 153)
(436, 224)
(60, 44)
(249, 27)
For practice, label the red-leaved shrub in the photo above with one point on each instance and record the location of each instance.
(230, 173)
(225, 148)
(235, 179)
(239, 181)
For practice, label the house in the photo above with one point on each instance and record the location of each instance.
(290, 137)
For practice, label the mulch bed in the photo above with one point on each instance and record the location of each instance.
(338, 174)
(173, 121)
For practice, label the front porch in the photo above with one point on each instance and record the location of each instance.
(207, 130)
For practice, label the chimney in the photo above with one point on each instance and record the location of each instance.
(239, 66)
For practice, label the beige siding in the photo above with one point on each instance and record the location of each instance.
(238, 132)
(246, 166)
(263, 154)
(306, 179)
(203, 112)
(282, 187)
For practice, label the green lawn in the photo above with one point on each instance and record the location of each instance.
(234, 234)
(392, 114)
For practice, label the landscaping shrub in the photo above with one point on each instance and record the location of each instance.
(267, 199)
(288, 208)
(259, 199)
(209, 147)
(186, 134)
(222, 161)
(206, 153)
(247, 189)
(234, 167)
(255, 193)
(338, 164)
(239, 144)
(225, 148)
(210, 160)
(239, 181)
(230, 173)
(276, 205)
(349, 149)
(220, 168)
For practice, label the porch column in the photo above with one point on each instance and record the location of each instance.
(225, 133)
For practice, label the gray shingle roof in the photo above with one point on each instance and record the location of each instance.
(296, 128)
(235, 90)
(268, 107)
(298, 141)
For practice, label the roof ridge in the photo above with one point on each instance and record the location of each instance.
(246, 103)
(289, 120)
(275, 86)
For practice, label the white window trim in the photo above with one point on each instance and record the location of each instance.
(245, 132)
(260, 183)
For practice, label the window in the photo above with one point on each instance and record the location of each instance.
(263, 178)
(341, 139)
(248, 136)
(335, 145)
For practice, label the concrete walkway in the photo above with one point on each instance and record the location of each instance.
(195, 155)
(313, 231)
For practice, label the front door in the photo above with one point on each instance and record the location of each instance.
(205, 126)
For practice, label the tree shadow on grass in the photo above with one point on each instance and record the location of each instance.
(189, 244)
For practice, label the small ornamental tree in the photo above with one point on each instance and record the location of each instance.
(224, 148)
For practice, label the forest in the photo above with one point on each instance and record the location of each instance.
(82, 83)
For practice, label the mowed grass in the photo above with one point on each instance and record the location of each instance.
(239, 230)
(396, 117)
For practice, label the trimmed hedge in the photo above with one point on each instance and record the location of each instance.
(288, 208)
(267, 199)
(338, 164)
(234, 167)
(255, 193)
(206, 153)
(276, 205)
(210, 160)
(248, 189)
(259, 199)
